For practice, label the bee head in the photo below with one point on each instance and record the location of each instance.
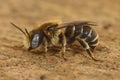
(32, 39)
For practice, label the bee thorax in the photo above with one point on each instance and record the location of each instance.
(54, 40)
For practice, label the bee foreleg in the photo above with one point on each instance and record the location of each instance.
(64, 44)
(86, 47)
(45, 45)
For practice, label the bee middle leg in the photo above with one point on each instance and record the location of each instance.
(87, 48)
(63, 47)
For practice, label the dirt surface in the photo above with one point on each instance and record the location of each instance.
(18, 64)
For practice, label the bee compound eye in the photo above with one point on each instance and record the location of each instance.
(35, 41)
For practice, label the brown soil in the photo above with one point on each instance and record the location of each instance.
(18, 64)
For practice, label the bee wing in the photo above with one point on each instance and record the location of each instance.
(82, 23)
(86, 23)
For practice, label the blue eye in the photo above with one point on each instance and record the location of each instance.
(35, 41)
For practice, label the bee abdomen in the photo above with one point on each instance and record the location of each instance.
(85, 33)
(93, 44)
(90, 37)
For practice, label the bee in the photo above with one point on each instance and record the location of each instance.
(55, 32)
(45, 34)
(83, 33)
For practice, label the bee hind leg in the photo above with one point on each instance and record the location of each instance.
(90, 54)
(87, 48)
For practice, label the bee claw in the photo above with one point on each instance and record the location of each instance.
(62, 55)
(94, 59)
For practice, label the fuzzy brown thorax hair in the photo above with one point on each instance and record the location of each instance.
(44, 27)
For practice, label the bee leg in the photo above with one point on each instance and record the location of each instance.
(45, 45)
(63, 47)
(87, 48)
(90, 54)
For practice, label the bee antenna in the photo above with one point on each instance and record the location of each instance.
(19, 29)
(27, 33)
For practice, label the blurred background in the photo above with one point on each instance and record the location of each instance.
(33, 12)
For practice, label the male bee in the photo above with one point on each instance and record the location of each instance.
(83, 33)
(55, 32)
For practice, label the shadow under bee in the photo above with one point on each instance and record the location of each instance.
(52, 51)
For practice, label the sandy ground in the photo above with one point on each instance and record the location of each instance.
(18, 64)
